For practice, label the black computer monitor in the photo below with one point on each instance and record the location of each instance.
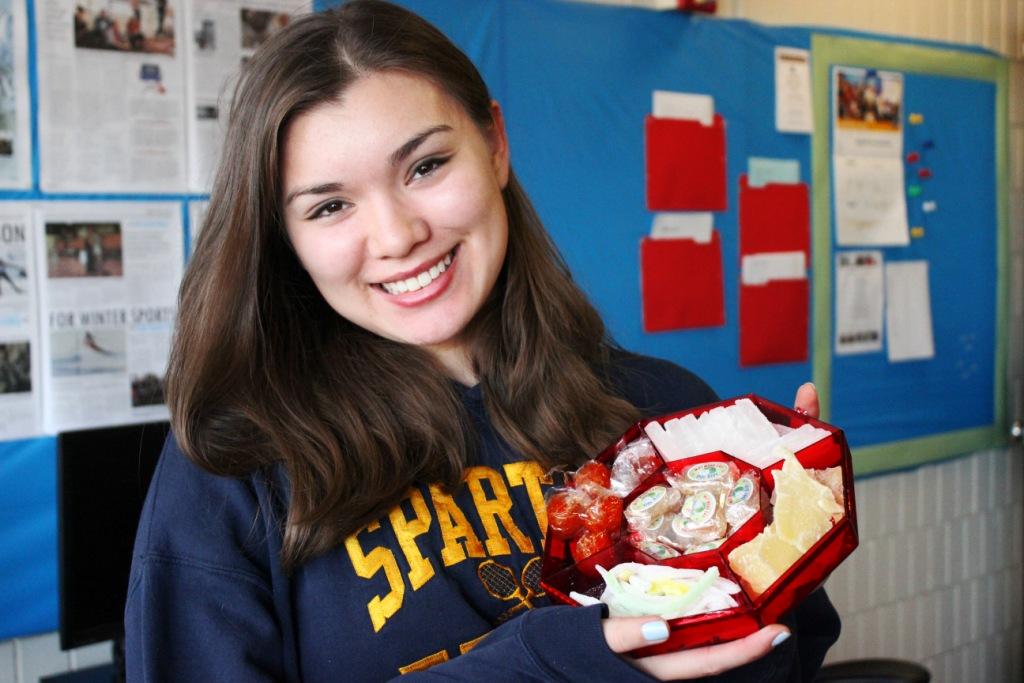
(102, 477)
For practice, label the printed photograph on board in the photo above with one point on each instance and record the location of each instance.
(259, 25)
(79, 351)
(125, 25)
(15, 368)
(868, 99)
(147, 390)
(83, 250)
(8, 116)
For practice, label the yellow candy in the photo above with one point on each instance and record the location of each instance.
(804, 508)
(763, 560)
(669, 587)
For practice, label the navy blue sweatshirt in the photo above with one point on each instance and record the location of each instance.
(446, 587)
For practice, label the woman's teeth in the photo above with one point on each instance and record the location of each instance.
(420, 280)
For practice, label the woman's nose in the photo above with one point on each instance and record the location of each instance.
(397, 227)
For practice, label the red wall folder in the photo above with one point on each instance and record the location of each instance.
(685, 164)
(773, 322)
(775, 217)
(774, 316)
(681, 285)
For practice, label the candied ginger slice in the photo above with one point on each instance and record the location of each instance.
(762, 560)
(804, 508)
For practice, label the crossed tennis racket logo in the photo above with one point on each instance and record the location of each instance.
(502, 582)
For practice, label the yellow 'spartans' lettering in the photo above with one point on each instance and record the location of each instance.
(420, 569)
(439, 657)
(367, 565)
(495, 510)
(459, 537)
(529, 474)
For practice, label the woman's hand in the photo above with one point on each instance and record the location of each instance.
(807, 400)
(629, 633)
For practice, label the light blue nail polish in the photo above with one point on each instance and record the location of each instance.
(655, 631)
(779, 639)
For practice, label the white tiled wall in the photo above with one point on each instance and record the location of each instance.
(26, 660)
(938, 575)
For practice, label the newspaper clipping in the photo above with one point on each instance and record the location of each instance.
(110, 278)
(19, 348)
(15, 135)
(223, 35)
(111, 97)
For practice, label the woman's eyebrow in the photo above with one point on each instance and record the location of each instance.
(315, 189)
(409, 147)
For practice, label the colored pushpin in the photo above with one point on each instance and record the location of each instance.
(913, 157)
(928, 144)
(914, 190)
(929, 207)
(917, 232)
(924, 173)
(916, 119)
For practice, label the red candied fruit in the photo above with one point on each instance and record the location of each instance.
(565, 513)
(589, 543)
(593, 473)
(604, 514)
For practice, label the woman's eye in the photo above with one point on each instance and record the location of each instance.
(427, 167)
(331, 207)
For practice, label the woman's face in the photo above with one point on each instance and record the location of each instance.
(392, 200)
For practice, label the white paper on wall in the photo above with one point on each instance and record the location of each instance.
(20, 386)
(908, 311)
(221, 35)
(867, 157)
(793, 90)
(111, 96)
(860, 302)
(15, 122)
(870, 207)
(109, 276)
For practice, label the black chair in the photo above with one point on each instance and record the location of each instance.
(873, 671)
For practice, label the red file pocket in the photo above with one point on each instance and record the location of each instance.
(775, 217)
(685, 165)
(773, 322)
(681, 284)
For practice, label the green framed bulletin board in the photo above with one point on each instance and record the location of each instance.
(899, 415)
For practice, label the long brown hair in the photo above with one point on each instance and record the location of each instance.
(264, 372)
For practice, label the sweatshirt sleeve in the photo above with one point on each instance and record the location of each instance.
(200, 601)
(545, 644)
(190, 621)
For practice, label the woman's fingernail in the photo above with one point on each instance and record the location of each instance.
(654, 631)
(780, 639)
(808, 384)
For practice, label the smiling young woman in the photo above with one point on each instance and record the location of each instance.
(379, 354)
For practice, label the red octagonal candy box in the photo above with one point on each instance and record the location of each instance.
(589, 527)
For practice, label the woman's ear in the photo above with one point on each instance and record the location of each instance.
(498, 140)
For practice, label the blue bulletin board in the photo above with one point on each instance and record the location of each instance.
(575, 82)
(902, 414)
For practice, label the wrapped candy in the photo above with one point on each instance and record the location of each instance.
(743, 500)
(652, 503)
(717, 477)
(701, 547)
(635, 462)
(701, 519)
